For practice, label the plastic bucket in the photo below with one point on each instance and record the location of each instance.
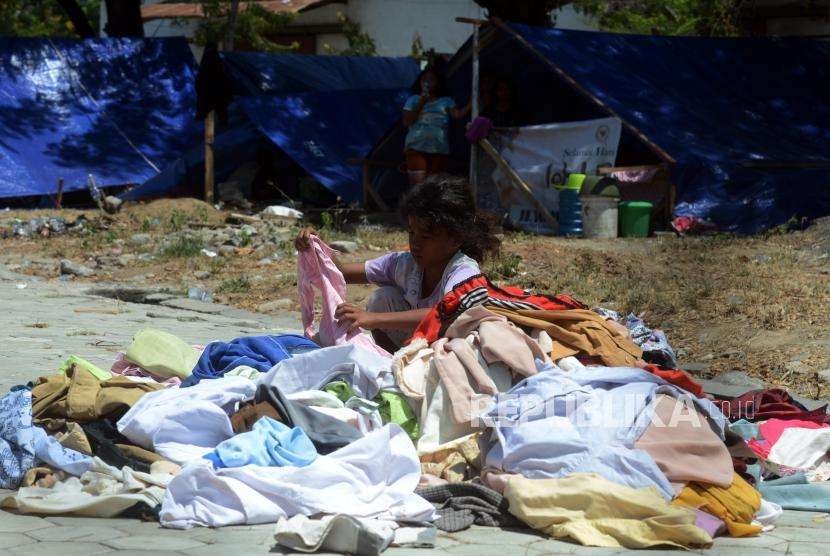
(599, 216)
(635, 217)
(570, 213)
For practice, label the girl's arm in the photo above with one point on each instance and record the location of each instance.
(360, 318)
(411, 116)
(461, 113)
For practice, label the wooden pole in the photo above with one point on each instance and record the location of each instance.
(210, 123)
(474, 115)
(519, 183)
(59, 200)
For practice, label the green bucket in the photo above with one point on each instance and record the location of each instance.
(635, 217)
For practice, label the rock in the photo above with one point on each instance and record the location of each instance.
(734, 300)
(694, 368)
(112, 204)
(227, 250)
(200, 294)
(68, 267)
(824, 376)
(125, 259)
(201, 274)
(796, 366)
(733, 353)
(276, 305)
(264, 262)
(157, 297)
(344, 246)
(739, 378)
(138, 240)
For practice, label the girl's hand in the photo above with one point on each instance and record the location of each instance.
(355, 317)
(303, 240)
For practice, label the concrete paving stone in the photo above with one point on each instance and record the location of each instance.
(495, 535)
(145, 552)
(218, 536)
(9, 540)
(814, 520)
(808, 549)
(799, 534)
(238, 550)
(58, 549)
(153, 542)
(13, 523)
(443, 540)
(764, 540)
(740, 551)
(502, 549)
(61, 533)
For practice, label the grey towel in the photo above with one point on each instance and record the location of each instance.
(460, 505)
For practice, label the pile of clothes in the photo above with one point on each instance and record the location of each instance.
(503, 409)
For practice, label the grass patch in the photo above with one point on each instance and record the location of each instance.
(183, 247)
(240, 284)
(506, 266)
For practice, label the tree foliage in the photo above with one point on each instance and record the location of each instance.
(667, 17)
(253, 29)
(42, 18)
(360, 43)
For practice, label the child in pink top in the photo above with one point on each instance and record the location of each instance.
(447, 240)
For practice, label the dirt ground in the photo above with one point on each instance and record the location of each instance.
(759, 304)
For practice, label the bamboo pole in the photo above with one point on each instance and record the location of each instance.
(210, 123)
(519, 183)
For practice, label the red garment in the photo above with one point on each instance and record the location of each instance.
(678, 378)
(478, 290)
(772, 430)
(760, 405)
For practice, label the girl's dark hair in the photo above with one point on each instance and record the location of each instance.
(440, 82)
(445, 202)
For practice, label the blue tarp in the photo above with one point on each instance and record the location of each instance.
(321, 131)
(721, 108)
(274, 74)
(320, 110)
(118, 109)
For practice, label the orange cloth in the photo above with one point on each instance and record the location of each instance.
(736, 505)
(678, 378)
(578, 332)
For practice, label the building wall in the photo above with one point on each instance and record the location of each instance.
(393, 24)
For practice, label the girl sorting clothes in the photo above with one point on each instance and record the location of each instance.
(427, 114)
(447, 241)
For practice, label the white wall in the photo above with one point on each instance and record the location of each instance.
(394, 24)
(568, 18)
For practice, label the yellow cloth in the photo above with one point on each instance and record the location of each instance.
(578, 331)
(596, 512)
(78, 395)
(456, 461)
(736, 505)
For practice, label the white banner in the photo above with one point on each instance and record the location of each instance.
(544, 156)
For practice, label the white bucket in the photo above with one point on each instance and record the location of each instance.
(599, 216)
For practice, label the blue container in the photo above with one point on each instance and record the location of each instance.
(570, 213)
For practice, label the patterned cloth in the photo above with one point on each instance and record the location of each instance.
(460, 505)
(655, 345)
(22, 444)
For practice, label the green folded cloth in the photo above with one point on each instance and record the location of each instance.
(74, 360)
(162, 354)
(393, 406)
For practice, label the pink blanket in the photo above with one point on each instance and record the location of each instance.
(315, 269)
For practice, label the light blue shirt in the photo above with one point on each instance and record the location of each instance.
(429, 133)
(555, 423)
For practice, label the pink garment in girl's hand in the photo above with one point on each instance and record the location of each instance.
(316, 269)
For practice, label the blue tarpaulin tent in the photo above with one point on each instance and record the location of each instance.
(319, 110)
(746, 120)
(119, 109)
